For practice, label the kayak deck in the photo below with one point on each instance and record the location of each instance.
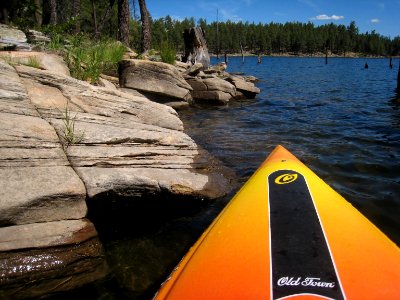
(286, 234)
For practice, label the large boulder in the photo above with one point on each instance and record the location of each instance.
(215, 86)
(211, 90)
(12, 38)
(157, 78)
(246, 87)
(36, 37)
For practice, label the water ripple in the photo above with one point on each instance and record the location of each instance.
(341, 120)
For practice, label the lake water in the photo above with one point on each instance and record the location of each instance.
(341, 120)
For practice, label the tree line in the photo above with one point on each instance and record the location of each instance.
(130, 22)
(277, 38)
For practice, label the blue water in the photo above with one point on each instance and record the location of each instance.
(340, 119)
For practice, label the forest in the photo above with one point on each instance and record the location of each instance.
(276, 38)
(105, 19)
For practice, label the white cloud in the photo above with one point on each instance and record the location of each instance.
(326, 17)
(375, 21)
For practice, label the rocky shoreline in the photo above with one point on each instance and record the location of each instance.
(68, 145)
(179, 86)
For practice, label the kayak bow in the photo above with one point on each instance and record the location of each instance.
(287, 235)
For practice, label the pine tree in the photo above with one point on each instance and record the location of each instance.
(146, 26)
(53, 12)
(123, 21)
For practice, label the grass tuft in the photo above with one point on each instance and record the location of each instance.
(70, 137)
(33, 62)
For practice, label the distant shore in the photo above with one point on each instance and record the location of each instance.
(316, 54)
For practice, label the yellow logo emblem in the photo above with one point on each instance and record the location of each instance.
(286, 178)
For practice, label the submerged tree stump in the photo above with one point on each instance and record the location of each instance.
(196, 50)
(398, 80)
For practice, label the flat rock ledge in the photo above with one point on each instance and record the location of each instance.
(120, 144)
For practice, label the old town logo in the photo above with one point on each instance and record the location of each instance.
(308, 281)
(286, 178)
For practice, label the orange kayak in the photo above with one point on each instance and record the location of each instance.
(287, 235)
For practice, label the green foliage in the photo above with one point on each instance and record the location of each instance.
(59, 34)
(56, 42)
(62, 29)
(69, 136)
(292, 37)
(23, 13)
(167, 53)
(87, 59)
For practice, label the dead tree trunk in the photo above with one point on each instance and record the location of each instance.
(242, 52)
(326, 56)
(398, 79)
(196, 50)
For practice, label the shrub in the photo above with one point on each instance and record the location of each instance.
(167, 53)
(56, 42)
(88, 59)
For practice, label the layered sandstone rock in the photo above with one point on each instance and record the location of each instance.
(12, 38)
(180, 84)
(122, 145)
(211, 90)
(244, 86)
(37, 182)
(156, 78)
(45, 244)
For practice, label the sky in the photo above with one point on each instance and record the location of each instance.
(383, 16)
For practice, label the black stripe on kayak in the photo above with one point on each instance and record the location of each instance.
(300, 257)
